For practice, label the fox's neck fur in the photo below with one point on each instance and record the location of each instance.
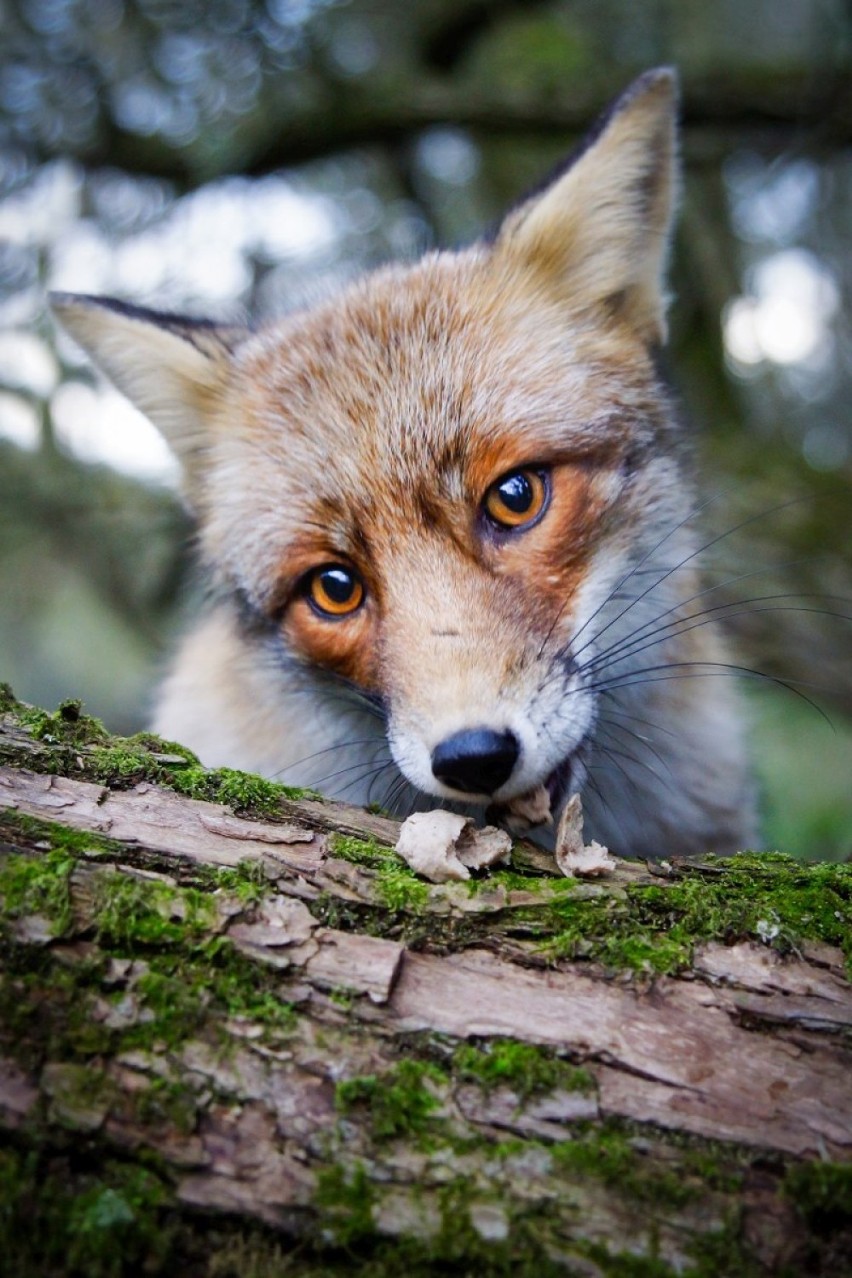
(448, 525)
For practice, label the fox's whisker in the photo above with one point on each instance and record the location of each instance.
(699, 594)
(644, 742)
(704, 618)
(615, 752)
(389, 767)
(373, 772)
(670, 532)
(702, 670)
(614, 712)
(687, 559)
(362, 768)
(345, 744)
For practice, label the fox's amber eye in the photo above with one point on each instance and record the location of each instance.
(334, 590)
(517, 499)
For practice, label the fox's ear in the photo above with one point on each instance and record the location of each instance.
(173, 369)
(597, 234)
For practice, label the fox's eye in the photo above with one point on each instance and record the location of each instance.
(517, 499)
(334, 590)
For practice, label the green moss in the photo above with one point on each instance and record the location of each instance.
(39, 885)
(84, 748)
(763, 897)
(173, 752)
(125, 762)
(628, 1265)
(822, 1192)
(166, 1101)
(523, 1067)
(241, 990)
(182, 995)
(18, 828)
(399, 888)
(400, 1102)
(67, 725)
(8, 700)
(515, 881)
(48, 1008)
(134, 916)
(250, 1252)
(607, 1152)
(116, 766)
(345, 1199)
(80, 1095)
(348, 1200)
(58, 1219)
(246, 881)
(54, 1220)
(365, 852)
(244, 792)
(715, 1165)
(722, 1253)
(132, 913)
(185, 983)
(619, 1154)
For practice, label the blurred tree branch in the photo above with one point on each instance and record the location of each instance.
(767, 110)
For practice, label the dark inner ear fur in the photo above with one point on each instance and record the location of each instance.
(204, 334)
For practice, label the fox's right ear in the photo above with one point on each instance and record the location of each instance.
(596, 236)
(173, 369)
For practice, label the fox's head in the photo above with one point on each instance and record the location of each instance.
(428, 488)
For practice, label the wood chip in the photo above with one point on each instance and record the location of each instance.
(478, 848)
(527, 810)
(278, 920)
(574, 858)
(442, 846)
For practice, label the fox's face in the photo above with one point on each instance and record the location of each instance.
(429, 487)
(428, 490)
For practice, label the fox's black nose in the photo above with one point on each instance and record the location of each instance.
(477, 760)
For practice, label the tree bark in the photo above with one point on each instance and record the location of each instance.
(262, 1030)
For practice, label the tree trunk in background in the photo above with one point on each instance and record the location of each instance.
(258, 1044)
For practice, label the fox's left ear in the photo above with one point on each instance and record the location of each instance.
(597, 235)
(172, 368)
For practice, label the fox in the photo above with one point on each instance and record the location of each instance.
(448, 521)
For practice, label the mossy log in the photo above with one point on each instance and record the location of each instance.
(237, 1036)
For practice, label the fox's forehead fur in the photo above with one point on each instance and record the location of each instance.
(408, 396)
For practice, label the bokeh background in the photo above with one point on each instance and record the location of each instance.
(234, 158)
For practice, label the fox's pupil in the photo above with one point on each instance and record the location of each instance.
(338, 584)
(516, 493)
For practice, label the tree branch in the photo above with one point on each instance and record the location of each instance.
(768, 111)
(272, 1012)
